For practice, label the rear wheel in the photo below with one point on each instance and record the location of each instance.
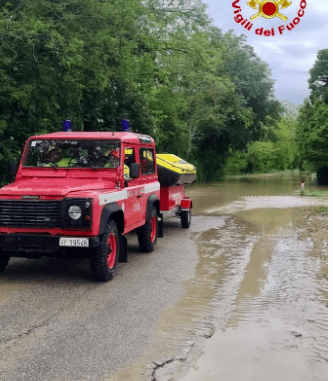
(185, 218)
(104, 261)
(147, 234)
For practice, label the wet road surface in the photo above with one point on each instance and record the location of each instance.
(56, 324)
(241, 295)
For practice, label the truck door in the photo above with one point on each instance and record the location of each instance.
(147, 164)
(132, 212)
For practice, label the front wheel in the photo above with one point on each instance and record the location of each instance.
(147, 234)
(185, 218)
(104, 261)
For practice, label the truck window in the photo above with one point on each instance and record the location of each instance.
(147, 161)
(129, 158)
(73, 153)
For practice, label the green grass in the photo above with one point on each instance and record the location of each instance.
(322, 209)
(321, 193)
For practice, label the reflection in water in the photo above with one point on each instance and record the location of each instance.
(260, 285)
(278, 327)
(279, 333)
(216, 195)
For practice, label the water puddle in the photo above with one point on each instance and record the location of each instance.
(278, 327)
(274, 202)
(277, 331)
(257, 306)
(269, 305)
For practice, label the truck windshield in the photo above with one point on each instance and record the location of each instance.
(73, 153)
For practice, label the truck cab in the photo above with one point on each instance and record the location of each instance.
(78, 194)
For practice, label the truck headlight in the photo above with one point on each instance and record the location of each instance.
(74, 212)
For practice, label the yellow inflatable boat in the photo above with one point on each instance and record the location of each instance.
(172, 170)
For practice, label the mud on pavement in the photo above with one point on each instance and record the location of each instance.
(256, 308)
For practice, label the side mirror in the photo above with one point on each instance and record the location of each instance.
(134, 170)
(12, 169)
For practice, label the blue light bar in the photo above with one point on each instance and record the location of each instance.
(67, 126)
(125, 125)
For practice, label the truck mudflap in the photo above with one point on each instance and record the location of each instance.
(160, 225)
(123, 249)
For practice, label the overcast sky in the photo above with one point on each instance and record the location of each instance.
(291, 55)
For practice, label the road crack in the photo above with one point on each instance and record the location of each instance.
(27, 332)
(207, 333)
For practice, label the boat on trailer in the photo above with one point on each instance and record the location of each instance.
(172, 170)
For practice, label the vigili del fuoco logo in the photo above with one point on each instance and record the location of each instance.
(268, 9)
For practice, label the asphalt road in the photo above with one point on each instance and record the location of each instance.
(56, 324)
(153, 319)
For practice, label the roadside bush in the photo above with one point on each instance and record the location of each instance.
(236, 163)
(262, 157)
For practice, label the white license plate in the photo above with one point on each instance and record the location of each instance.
(74, 242)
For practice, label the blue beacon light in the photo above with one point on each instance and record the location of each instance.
(67, 126)
(125, 125)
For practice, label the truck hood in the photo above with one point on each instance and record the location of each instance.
(53, 187)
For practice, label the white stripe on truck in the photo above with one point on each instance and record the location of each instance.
(106, 198)
(152, 187)
(115, 196)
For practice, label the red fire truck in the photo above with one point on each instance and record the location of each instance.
(79, 193)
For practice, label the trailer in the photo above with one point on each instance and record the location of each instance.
(174, 203)
(77, 194)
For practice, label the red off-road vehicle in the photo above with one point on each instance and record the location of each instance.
(78, 194)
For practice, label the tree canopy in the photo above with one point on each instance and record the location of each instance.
(198, 91)
(318, 81)
(312, 128)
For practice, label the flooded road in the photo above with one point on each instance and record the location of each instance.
(241, 295)
(277, 328)
(256, 308)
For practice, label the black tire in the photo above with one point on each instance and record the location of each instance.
(4, 259)
(185, 218)
(104, 260)
(147, 234)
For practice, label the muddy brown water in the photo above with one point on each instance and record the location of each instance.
(257, 306)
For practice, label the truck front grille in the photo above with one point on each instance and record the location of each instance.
(37, 214)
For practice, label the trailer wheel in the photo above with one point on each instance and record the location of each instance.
(185, 218)
(3, 261)
(104, 260)
(147, 234)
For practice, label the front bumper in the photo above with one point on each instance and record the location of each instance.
(43, 245)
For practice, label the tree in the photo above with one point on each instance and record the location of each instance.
(312, 125)
(77, 59)
(285, 144)
(312, 138)
(200, 93)
(318, 81)
(252, 79)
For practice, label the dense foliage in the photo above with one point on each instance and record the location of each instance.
(277, 152)
(318, 81)
(199, 92)
(298, 140)
(312, 127)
